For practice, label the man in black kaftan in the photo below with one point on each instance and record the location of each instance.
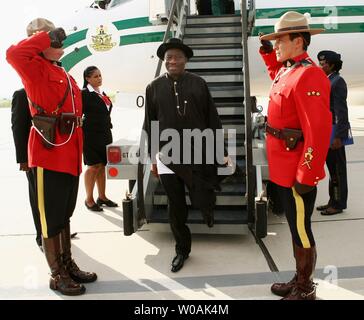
(179, 102)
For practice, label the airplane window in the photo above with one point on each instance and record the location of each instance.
(101, 4)
(115, 3)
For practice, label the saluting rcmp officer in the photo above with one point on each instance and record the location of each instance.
(298, 136)
(57, 166)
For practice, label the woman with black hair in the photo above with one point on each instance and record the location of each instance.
(97, 127)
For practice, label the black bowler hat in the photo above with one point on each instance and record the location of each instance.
(329, 56)
(174, 43)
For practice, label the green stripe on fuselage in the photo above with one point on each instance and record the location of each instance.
(141, 38)
(70, 60)
(340, 28)
(328, 11)
(74, 38)
(132, 23)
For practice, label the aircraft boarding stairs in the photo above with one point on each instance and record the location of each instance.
(216, 41)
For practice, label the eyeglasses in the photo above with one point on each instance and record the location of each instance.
(177, 58)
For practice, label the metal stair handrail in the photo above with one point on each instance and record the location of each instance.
(248, 117)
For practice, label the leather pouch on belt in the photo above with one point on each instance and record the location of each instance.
(46, 125)
(291, 137)
(66, 121)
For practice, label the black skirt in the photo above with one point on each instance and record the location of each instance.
(94, 147)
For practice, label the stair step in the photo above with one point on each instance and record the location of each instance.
(212, 29)
(216, 38)
(240, 200)
(230, 62)
(230, 109)
(209, 52)
(215, 46)
(239, 128)
(236, 215)
(221, 75)
(232, 191)
(192, 20)
(226, 91)
(223, 78)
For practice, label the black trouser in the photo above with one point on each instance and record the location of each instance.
(204, 7)
(178, 211)
(338, 185)
(298, 211)
(56, 199)
(34, 206)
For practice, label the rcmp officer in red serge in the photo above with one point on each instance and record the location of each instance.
(54, 159)
(298, 136)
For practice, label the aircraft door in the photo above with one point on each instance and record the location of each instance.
(159, 10)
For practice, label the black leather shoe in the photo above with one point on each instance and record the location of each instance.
(208, 217)
(322, 208)
(107, 203)
(331, 211)
(95, 207)
(178, 261)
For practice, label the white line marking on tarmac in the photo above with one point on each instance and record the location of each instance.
(329, 291)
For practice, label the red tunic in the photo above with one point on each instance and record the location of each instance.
(299, 99)
(46, 84)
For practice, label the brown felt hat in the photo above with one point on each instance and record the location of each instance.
(291, 22)
(39, 24)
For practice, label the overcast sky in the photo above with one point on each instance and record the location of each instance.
(14, 17)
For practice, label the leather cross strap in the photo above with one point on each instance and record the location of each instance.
(59, 106)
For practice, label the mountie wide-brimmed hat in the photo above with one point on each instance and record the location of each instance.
(39, 24)
(291, 22)
(174, 43)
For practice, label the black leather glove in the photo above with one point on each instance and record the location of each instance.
(57, 36)
(267, 46)
(302, 188)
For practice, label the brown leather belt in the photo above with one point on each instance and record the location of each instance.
(290, 136)
(274, 132)
(281, 133)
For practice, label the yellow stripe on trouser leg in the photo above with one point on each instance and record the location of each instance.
(300, 219)
(41, 207)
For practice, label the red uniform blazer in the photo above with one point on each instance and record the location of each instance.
(46, 84)
(299, 99)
